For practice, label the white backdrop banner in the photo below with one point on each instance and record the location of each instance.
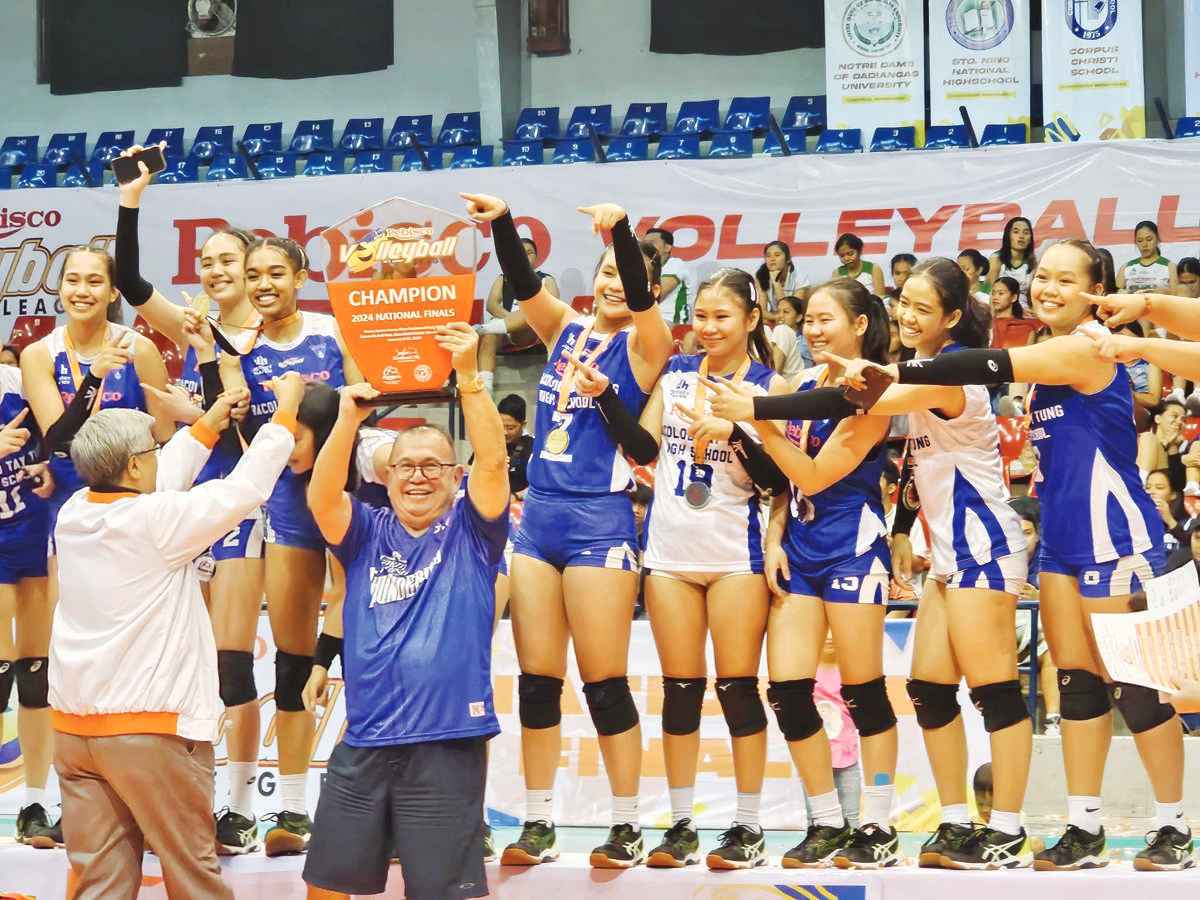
(875, 64)
(1092, 86)
(979, 58)
(1191, 57)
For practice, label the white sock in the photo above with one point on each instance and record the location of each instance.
(495, 326)
(682, 803)
(625, 811)
(747, 809)
(1005, 822)
(1170, 814)
(35, 795)
(955, 814)
(242, 776)
(826, 810)
(1084, 812)
(489, 380)
(293, 793)
(877, 804)
(539, 806)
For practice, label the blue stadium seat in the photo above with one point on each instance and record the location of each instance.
(227, 167)
(645, 120)
(179, 170)
(748, 114)
(522, 153)
(213, 141)
(328, 163)
(598, 117)
(628, 149)
(6, 175)
(362, 134)
(697, 117)
(19, 151)
(946, 137)
(38, 176)
(276, 165)
(263, 138)
(796, 141)
(371, 162)
(473, 157)
(77, 176)
(459, 130)
(172, 137)
(840, 140)
(538, 123)
(678, 146)
(411, 131)
(731, 145)
(65, 148)
(411, 160)
(996, 135)
(313, 136)
(804, 112)
(888, 140)
(110, 144)
(574, 151)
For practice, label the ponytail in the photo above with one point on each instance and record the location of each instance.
(856, 301)
(953, 289)
(742, 285)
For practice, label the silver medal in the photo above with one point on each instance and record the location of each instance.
(697, 494)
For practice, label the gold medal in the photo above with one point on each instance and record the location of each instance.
(557, 441)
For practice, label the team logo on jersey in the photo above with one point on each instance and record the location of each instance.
(873, 27)
(979, 24)
(262, 366)
(1090, 20)
(291, 361)
(394, 564)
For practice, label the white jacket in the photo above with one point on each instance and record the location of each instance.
(132, 650)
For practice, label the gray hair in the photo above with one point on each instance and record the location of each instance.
(102, 447)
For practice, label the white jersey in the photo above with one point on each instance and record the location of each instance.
(960, 480)
(1154, 276)
(726, 534)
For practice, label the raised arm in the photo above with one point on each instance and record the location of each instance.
(326, 495)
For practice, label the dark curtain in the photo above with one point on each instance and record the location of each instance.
(735, 27)
(311, 38)
(99, 45)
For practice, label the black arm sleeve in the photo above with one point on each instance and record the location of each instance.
(631, 266)
(906, 515)
(513, 261)
(61, 432)
(328, 649)
(757, 463)
(210, 380)
(818, 403)
(963, 367)
(129, 281)
(1176, 472)
(623, 428)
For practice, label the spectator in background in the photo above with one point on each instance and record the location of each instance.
(788, 347)
(975, 265)
(678, 290)
(1188, 551)
(849, 248)
(1016, 257)
(503, 326)
(518, 443)
(1145, 378)
(1170, 507)
(1188, 275)
(843, 736)
(1010, 326)
(10, 355)
(902, 266)
(1028, 510)
(1150, 271)
(1156, 445)
(777, 278)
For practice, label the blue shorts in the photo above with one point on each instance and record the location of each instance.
(1116, 578)
(287, 520)
(244, 542)
(859, 579)
(579, 530)
(23, 551)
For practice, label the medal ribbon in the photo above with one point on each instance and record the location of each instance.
(698, 405)
(76, 372)
(567, 384)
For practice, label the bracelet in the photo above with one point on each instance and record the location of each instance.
(474, 386)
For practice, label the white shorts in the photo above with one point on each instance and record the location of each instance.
(1006, 573)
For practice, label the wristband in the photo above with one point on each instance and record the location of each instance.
(328, 649)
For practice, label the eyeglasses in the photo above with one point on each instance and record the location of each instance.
(157, 446)
(429, 470)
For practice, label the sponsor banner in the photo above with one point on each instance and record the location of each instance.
(979, 58)
(721, 211)
(1191, 57)
(875, 65)
(1092, 86)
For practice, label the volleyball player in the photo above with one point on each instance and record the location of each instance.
(1151, 271)
(1102, 541)
(574, 569)
(1016, 258)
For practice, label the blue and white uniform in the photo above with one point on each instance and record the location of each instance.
(732, 523)
(976, 537)
(835, 540)
(577, 509)
(1098, 523)
(316, 356)
(24, 516)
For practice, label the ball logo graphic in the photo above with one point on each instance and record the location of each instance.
(1090, 20)
(979, 24)
(873, 27)
(422, 372)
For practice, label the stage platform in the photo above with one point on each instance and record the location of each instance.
(43, 874)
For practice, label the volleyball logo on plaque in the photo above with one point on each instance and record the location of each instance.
(396, 271)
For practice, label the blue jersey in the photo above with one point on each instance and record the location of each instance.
(220, 462)
(418, 626)
(23, 514)
(1094, 507)
(844, 520)
(588, 462)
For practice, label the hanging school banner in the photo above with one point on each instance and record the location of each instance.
(1092, 87)
(979, 58)
(1191, 57)
(875, 65)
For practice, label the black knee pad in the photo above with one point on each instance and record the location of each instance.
(33, 682)
(1084, 695)
(1140, 706)
(682, 700)
(794, 707)
(539, 701)
(1001, 704)
(869, 706)
(742, 705)
(291, 674)
(8, 674)
(936, 704)
(611, 705)
(235, 675)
